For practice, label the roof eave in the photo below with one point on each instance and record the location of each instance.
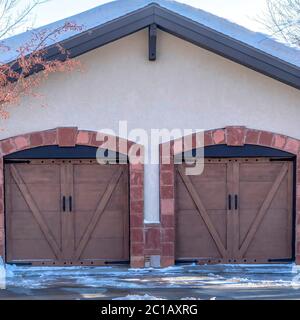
(185, 29)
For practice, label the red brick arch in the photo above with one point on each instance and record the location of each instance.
(71, 136)
(231, 136)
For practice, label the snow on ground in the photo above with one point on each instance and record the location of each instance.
(148, 297)
(138, 297)
(189, 276)
(2, 274)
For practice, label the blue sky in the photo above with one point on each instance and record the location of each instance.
(240, 11)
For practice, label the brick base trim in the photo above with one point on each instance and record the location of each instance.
(71, 136)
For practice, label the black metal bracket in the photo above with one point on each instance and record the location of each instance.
(282, 159)
(15, 161)
(287, 260)
(152, 42)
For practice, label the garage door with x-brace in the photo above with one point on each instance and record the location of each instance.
(66, 212)
(237, 210)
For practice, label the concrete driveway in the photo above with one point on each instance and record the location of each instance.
(179, 282)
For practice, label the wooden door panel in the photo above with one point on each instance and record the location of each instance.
(201, 214)
(115, 223)
(265, 210)
(29, 250)
(86, 196)
(31, 219)
(250, 191)
(24, 226)
(113, 219)
(45, 195)
(259, 171)
(198, 242)
(259, 225)
(104, 249)
(94, 224)
(187, 218)
(252, 194)
(215, 194)
(271, 239)
(39, 174)
(101, 212)
(90, 173)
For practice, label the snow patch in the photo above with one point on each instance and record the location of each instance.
(188, 276)
(151, 221)
(2, 275)
(138, 297)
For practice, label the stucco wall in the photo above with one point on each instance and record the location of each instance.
(187, 87)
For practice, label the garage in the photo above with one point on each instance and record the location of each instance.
(66, 211)
(239, 210)
(155, 71)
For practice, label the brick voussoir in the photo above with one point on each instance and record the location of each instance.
(292, 146)
(252, 136)
(235, 136)
(208, 139)
(279, 141)
(266, 138)
(219, 136)
(83, 138)
(50, 137)
(66, 136)
(7, 146)
(22, 142)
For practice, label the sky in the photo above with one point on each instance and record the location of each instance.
(243, 12)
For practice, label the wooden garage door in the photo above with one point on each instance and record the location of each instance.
(237, 210)
(66, 212)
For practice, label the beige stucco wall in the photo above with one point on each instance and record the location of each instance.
(187, 87)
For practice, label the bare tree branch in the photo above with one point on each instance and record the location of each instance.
(13, 15)
(16, 78)
(282, 19)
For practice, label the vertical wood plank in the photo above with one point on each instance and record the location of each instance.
(289, 209)
(125, 185)
(8, 211)
(67, 217)
(229, 231)
(236, 215)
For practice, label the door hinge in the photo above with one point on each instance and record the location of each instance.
(16, 161)
(20, 263)
(281, 159)
(281, 260)
(117, 262)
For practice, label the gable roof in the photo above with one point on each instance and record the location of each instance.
(114, 20)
